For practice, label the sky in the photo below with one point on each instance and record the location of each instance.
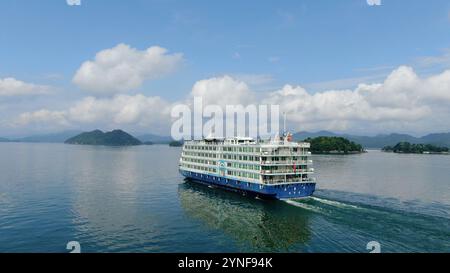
(354, 66)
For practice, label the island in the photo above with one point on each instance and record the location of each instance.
(176, 144)
(97, 137)
(4, 139)
(408, 148)
(333, 145)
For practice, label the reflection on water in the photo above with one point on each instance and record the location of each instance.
(352, 220)
(91, 181)
(400, 176)
(265, 225)
(133, 199)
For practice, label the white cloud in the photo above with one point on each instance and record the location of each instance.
(13, 87)
(436, 89)
(403, 98)
(345, 83)
(122, 69)
(254, 79)
(120, 110)
(374, 2)
(138, 110)
(42, 116)
(403, 102)
(439, 60)
(222, 91)
(397, 90)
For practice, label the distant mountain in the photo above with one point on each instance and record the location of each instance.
(97, 137)
(305, 135)
(49, 138)
(442, 139)
(155, 139)
(61, 137)
(381, 141)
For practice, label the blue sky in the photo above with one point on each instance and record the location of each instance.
(319, 45)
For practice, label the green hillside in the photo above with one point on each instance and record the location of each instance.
(408, 148)
(333, 145)
(97, 137)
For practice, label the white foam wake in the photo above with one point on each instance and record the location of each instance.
(303, 206)
(334, 203)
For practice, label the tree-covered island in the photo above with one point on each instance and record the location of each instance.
(176, 143)
(408, 148)
(333, 145)
(97, 137)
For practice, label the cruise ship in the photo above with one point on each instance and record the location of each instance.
(277, 168)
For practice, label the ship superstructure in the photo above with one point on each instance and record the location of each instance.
(277, 168)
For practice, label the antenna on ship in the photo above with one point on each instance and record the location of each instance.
(286, 135)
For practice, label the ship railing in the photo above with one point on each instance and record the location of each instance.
(286, 162)
(221, 142)
(290, 180)
(264, 162)
(267, 153)
(253, 153)
(283, 142)
(287, 171)
(192, 142)
(271, 153)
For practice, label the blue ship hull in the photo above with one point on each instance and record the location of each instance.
(286, 191)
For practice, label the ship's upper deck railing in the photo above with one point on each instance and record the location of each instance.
(288, 180)
(248, 142)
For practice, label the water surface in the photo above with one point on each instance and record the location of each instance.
(132, 199)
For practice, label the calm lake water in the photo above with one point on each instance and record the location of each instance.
(132, 199)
